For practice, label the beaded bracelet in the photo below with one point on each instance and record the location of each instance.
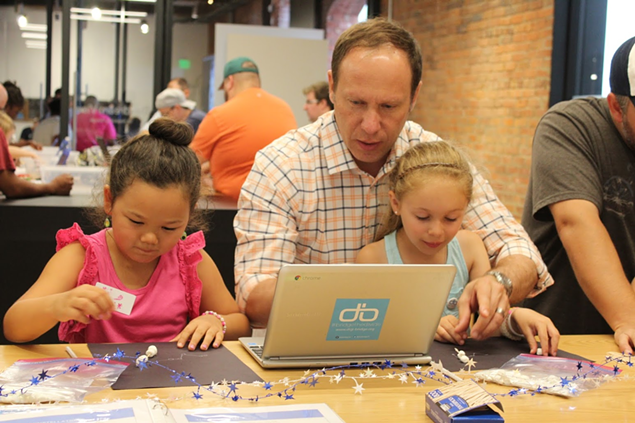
(507, 329)
(219, 317)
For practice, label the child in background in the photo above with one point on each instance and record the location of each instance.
(430, 189)
(8, 127)
(143, 255)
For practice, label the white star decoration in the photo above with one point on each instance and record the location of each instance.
(358, 388)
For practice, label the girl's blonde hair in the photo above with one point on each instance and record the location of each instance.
(418, 165)
(6, 123)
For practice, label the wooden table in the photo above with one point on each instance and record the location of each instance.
(389, 400)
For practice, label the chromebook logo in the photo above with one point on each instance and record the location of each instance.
(297, 277)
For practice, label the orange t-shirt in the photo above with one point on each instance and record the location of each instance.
(231, 134)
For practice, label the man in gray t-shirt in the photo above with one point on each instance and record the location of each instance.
(580, 208)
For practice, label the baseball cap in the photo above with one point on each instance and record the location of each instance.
(622, 78)
(170, 97)
(236, 66)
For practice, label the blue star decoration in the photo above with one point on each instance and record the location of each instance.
(288, 397)
(118, 354)
(232, 387)
(142, 365)
(313, 382)
(74, 368)
(44, 375)
(564, 381)
(616, 370)
(35, 380)
(579, 366)
(177, 377)
(196, 395)
(267, 385)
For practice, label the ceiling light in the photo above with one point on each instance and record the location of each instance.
(35, 44)
(95, 13)
(34, 35)
(210, 1)
(22, 21)
(110, 12)
(145, 28)
(34, 27)
(105, 19)
(195, 12)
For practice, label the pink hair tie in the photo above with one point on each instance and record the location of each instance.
(219, 317)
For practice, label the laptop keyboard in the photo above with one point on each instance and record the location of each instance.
(257, 349)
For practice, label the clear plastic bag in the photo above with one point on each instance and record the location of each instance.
(552, 375)
(54, 380)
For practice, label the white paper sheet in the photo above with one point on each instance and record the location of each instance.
(317, 413)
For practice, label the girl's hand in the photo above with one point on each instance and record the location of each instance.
(83, 303)
(532, 323)
(205, 328)
(446, 332)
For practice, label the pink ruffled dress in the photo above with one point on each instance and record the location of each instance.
(161, 309)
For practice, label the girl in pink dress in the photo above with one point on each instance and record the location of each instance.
(141, 279)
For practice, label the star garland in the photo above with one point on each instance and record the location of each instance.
(287, 387)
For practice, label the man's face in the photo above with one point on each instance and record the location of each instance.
(174, 112)
(372, 102)
(312, 107)
(628, 126)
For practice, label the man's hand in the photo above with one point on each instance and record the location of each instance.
(61, 185)
(625, 338)
(485, 296)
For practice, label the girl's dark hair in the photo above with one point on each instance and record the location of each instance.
(161, 158)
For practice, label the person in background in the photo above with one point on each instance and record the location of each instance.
(149, 201)
(232, 133)
(93, 124)
(172, 103)
(49, 128)
(14, 187)
(317, 100)
(580, 208)
(177, 83)
(318, 194)
(8, 127)
(13, 107)
(430, 189)
(134, 125)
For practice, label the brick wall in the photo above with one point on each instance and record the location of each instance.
(486, 80)
(340, 16)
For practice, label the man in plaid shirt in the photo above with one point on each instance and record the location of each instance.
(318, 194)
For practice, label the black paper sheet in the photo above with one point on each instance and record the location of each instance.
(488, 354)
(213, 365)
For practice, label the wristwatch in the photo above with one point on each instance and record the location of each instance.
(503, 280)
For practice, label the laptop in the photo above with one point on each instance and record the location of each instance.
(326, 315)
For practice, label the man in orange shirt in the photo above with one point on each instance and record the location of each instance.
(232, 133)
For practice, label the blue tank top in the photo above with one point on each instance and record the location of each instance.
(455, 257)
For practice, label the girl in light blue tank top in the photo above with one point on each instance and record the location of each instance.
(430, 189)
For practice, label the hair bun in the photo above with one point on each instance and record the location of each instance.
(166, 129)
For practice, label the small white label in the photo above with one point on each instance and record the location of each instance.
(123, 300)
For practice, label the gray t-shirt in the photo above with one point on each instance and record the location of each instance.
(579, 154)
(195, 118)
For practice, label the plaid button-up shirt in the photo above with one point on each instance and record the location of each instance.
(306, 201)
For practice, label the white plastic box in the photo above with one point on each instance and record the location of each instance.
(87, 180)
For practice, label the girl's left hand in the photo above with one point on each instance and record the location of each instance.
(532, 323)
(203, 329)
